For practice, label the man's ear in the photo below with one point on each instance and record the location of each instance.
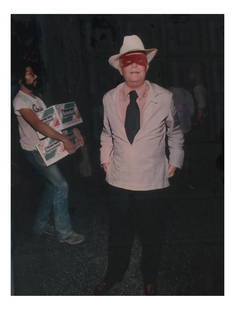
(147, 68)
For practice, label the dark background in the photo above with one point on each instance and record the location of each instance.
(72, 54)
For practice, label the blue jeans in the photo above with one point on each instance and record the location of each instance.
(54, 197)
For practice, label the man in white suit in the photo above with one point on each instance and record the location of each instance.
(138, 115)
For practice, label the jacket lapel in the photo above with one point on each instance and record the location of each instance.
(118, 110)
(149, 105)
(147, 109)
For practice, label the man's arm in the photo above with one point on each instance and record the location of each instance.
(106, 143)
(175, 141)
(46, 130)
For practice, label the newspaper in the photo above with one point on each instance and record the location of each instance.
(52, 150)
(60, 116)
(50, 117)
(68, 114)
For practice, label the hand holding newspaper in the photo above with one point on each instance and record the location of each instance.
(61, 117)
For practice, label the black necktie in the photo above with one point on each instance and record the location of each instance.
(132, 121)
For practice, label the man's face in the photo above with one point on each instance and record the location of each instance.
(30, 79)
(134, 67)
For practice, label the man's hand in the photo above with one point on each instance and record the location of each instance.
(105, 166)
(171, 171)
(80, 140)
(77, 133)
(69, 146)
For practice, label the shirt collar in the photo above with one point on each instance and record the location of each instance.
(27, 95)
(141, 91)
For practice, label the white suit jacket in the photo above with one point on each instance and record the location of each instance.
(142, 165)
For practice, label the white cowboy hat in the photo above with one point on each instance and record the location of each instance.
(132, 44)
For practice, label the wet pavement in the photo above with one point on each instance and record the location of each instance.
(192, 258)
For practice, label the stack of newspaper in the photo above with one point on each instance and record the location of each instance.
(61, 117)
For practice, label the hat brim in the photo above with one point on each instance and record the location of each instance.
(150, 53)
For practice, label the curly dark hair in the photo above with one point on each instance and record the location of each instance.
(21, 70)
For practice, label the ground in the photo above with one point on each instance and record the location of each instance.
(192, 259)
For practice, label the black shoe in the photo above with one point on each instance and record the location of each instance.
(150, 289)
(103, 287)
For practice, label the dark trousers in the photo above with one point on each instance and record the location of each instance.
(135, 211)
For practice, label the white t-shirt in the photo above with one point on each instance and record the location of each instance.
(28, 136)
